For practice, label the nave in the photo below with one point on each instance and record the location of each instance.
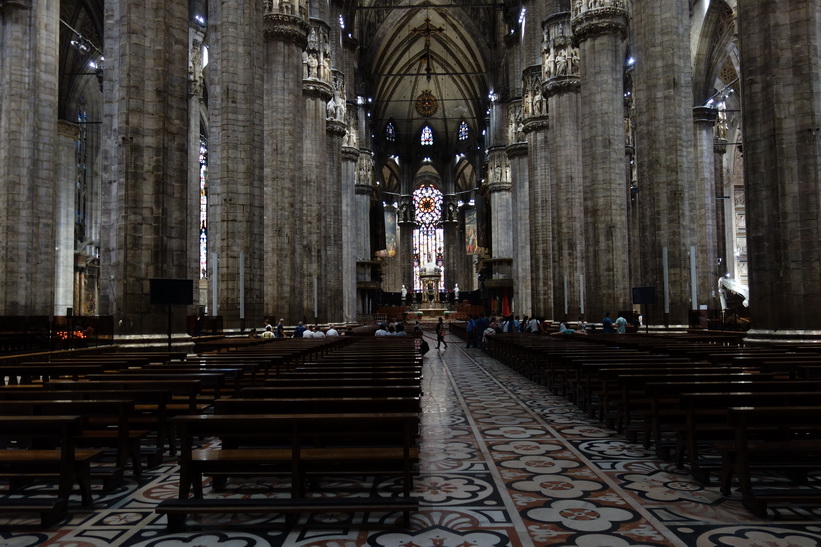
(502, 463)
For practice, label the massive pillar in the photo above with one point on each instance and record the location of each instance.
(145, 224)
(333, 203)
(781, 108)
(599, 29)
(65, 192)
(662, 88)
(707, 237)
(535, 120)
(28, 154)
(350, 155)
(236, 224)
(363, 193)
(285, 31)
(560, 84)
(316, 206)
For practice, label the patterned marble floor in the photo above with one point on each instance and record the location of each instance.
(503, 463)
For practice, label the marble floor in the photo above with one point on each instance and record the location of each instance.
(503, 463)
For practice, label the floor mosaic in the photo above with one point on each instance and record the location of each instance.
(503, 463)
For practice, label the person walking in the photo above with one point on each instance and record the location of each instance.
(440, 334)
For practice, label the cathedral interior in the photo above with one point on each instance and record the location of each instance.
(317, 160)
(306, 159)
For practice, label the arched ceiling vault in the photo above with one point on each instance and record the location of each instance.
(440, 48)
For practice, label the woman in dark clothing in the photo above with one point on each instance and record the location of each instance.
(440, 334)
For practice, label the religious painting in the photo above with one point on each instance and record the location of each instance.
(390, 234)
(471, 241)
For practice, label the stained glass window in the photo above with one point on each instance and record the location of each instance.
(390, 132)
(427, 136)
(428, 238)
(463, 131)
(81, 183)
(203, 208)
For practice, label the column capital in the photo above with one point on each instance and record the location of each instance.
(317, 88)
(336, 128)
(598, 17)
(705, 114)
(363, 189)
(350, 154)
(536, 124)
(516, 150)
(285, 28)
(561, 84)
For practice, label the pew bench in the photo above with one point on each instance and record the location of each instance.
(706, 421)
(297, 445)
(66, 464)
(796, 451)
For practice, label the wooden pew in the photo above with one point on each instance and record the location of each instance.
(106, 425)
(706, 420)
(150, 414)
(665, 412)
(66, 463)
(797, 449)
(288, 443)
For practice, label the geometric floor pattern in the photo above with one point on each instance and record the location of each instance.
(503, 463)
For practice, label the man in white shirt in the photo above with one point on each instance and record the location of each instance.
(309, 333)
(380, 331)
(331, 331)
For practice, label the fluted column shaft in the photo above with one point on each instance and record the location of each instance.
(28, 153)
(522, 285)
(145, 224)
(664, 156)
(534, 112)
(285, 281)
(705, 207)
(600, 33)
(236, 188)
(782, 115)
(65, 189)
(561, 85)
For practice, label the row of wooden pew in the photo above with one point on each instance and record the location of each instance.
(302, 407)
(739, 414)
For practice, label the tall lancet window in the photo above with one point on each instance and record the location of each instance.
(203, 207)
(81, 186)
(463, 131)
(390, 132)
(428, 237)
(427, 136)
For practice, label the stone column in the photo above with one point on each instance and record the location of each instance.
(28, 154)
(333, 203)
(64, 208)
(363, 193)
(318, 97)
(782, 143)
(405, 221)
(664, 155)
(723, 197)
(350, 222)
(285, 32)
(707, 238)
(501, 203)
(145, 226)
(599, 29)
(237, 228)
(350, 155)
(534, 114)
(561, 85)
(519, 193)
